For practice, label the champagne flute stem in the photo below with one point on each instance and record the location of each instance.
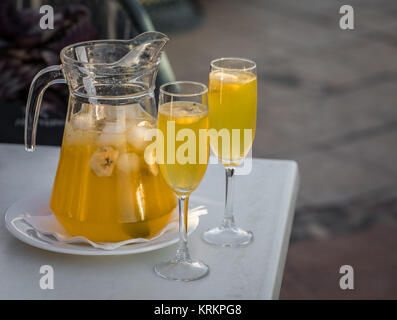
(182, 253)
(228, 219)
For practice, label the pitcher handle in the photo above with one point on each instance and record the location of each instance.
(45, 78)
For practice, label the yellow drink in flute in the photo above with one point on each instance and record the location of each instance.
(232, 100)
(183, 177)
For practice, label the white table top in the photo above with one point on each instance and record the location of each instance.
(264, 204)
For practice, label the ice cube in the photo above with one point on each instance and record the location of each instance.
(87, 116)
(114, 127)
(111, 139)
(113, 133)
(78, 136)
(128, 162)
(136, 135)
(83, 121)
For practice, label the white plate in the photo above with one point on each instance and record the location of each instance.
(37, 204)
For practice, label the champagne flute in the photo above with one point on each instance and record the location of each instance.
(232, 105)
(182, 113)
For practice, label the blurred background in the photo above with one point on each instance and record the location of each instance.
(327, 99)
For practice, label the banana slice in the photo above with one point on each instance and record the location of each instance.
(136, 135)
(150, 160)
(154, 169)
(103, 161)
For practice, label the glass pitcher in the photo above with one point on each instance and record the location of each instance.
(105, 189)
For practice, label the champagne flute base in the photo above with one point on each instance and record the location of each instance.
(228, 236)
(181, 270)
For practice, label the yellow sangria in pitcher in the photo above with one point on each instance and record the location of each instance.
(104, 188)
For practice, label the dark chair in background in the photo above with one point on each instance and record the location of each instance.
(25, 49)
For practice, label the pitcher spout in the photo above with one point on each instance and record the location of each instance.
(146, 50)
